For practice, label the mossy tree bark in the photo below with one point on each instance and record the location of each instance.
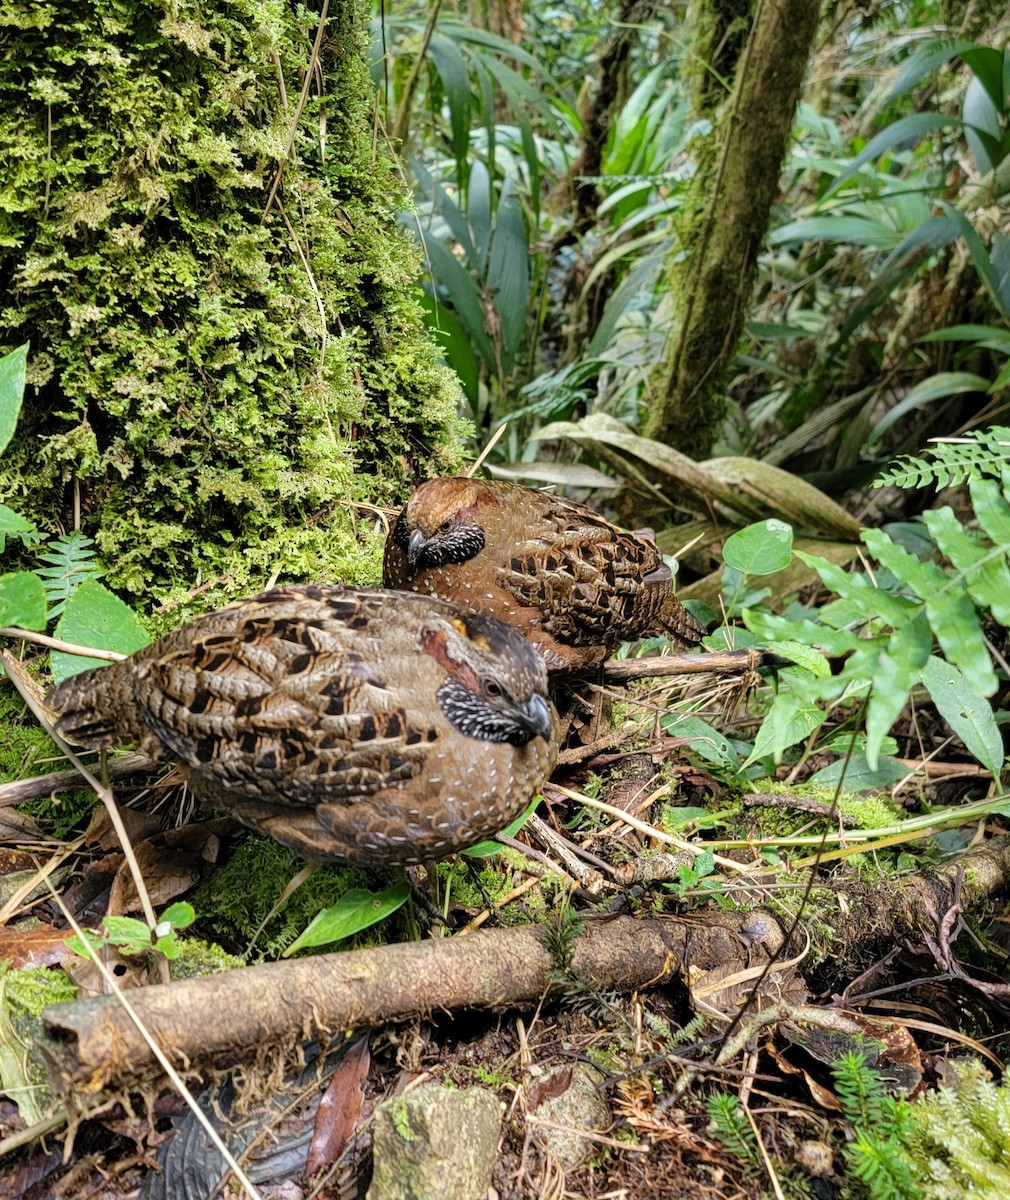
(727, 211)
(198, 241)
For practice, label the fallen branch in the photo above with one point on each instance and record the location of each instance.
(36, 786)
(726, 662)
(93, 1043)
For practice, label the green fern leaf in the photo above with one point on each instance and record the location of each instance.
(71, 560)
(898, 670)
(984, 572)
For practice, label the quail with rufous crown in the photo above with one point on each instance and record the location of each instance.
(574, 583)
(350, 724)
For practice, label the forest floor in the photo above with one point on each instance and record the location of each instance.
(791, 974)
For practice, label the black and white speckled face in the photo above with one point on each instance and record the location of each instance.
(456, 540)
(496, 684)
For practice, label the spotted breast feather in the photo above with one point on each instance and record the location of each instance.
(350, 724)
(577, 585)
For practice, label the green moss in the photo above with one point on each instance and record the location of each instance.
(23, 995)
(29, 990)
(236, 899)
(198, 958)
(961, 1141)
(24, 749)
(226, 391)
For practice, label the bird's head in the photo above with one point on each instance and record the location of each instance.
(440, 524)
(495, 688)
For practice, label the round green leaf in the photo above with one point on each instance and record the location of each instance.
(22, 600)
(96, 617)
(761, 548)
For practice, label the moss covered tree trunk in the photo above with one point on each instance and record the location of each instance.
(198, 241)
(727, 212)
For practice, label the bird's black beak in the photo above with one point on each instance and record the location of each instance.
(536, 716)
(415, 544)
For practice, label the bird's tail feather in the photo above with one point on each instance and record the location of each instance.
(680, 624)
(90, 711)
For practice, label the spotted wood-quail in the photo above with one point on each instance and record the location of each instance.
(350, 724)
(575, 584)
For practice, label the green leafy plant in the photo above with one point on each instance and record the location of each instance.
(357, 909)
(884, 627)
(729, 1126)
(136, 939)
(959, 1136)
(882, 1125)
(953, 461)
(70, 559)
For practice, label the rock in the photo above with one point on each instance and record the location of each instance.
(577, 1106)
(434, 1141)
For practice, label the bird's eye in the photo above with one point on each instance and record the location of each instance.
(491, 688)
(445, 526)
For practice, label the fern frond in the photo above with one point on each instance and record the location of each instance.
(729, 1126)
(71, 559)
(953, 461)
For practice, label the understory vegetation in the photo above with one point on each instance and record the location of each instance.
(497, 252)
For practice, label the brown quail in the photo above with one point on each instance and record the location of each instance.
(575, 584)
(350, 724)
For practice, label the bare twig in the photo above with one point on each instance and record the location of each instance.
(42, 639)
(36, 786)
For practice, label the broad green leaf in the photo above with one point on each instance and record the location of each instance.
(479, 216)
(22, 600)
(936, 387)
(854, 231)
(179, 915)
(456, 346)
(708, 743)
(924, 579)
(905, 129)
(128, 932)
(869, 604)
(898, 670)
(486, 848)
(451, 68)
(96, 617)
(356, 910)
(761, 548)
(955, 622)
(804, 656)
(856, 774)
(772, 630)
(790, 719)
(461, 289)
(988, 337)
(967, 713)
(926, 60)
(508, 273)
(844, 741)
(831, 574)
(984, 572)
(989, 66)
(13, 524)
(979, 252)
(991, 509)
(12, 390)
